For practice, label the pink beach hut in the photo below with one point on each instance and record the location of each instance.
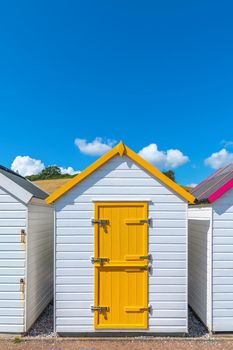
(210, 242)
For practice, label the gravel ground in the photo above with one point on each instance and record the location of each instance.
(44, 325)
(196, 328)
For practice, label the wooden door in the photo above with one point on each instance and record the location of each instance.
(121, 265)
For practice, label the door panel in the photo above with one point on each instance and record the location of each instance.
(121, 282)
(124, 292)
(118, 238)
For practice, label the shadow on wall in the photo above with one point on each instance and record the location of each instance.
(83, 187)
(224, 203)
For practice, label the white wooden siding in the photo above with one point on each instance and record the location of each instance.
(223, 263)
(120, 179)
(39, 261)
(200, 261)
(13, 218)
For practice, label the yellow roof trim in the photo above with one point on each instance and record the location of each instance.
(121, 150)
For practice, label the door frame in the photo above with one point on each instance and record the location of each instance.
(96, 269)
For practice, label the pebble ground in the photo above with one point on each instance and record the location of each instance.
(42, 337)
(44, 326)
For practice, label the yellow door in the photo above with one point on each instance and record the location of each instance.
(121, 265)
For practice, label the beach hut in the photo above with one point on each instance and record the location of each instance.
(26, 252)
(120, 249)
(211, 251)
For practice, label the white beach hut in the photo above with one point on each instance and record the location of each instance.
(26, 252)
(211, 251)
(120, 249)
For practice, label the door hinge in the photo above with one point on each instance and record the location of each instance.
(22, 285)
(146, 221)
(23, 236)
(100, 222)
(100, 309)
(99, 260)
(148, 308)
(148, 267)
(148, 257)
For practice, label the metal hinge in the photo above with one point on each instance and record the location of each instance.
(100, 222)
(99, 260)
(148, 267)
(100, 309)
(148, 308)
(148, 257)
(22, 285)
(23, 236)
(146, 221)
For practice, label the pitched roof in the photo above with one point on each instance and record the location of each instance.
(215, 185)
(121, 150)
(24, 183)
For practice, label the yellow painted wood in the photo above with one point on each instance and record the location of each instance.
(134, 309)
(132, 268)
(132, 257)
(121, 150)
(120, 283)
(135, 222)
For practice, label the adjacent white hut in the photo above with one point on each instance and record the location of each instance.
(211, 251)
(26, 252)
(121, 249)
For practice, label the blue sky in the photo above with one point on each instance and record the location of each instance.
(146, 72)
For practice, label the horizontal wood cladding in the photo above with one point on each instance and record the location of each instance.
(13, 218)
(223, 263)
(121, 179)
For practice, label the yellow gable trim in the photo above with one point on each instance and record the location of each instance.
(121, 150)
(159, 175)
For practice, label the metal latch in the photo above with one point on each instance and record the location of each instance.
(100, 222)
(146, 221)
(22, 285)
(148, 257)
(23, 236)
(99, 260)
(100, 309)
(148, 308)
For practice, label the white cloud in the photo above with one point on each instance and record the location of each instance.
(169, 159)
(95, 148)
(69, 170)
(219, 159)
(25, 165)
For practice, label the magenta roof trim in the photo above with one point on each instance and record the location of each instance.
(201, 184)
(209, 188)
(226, 187)
(214, 186)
